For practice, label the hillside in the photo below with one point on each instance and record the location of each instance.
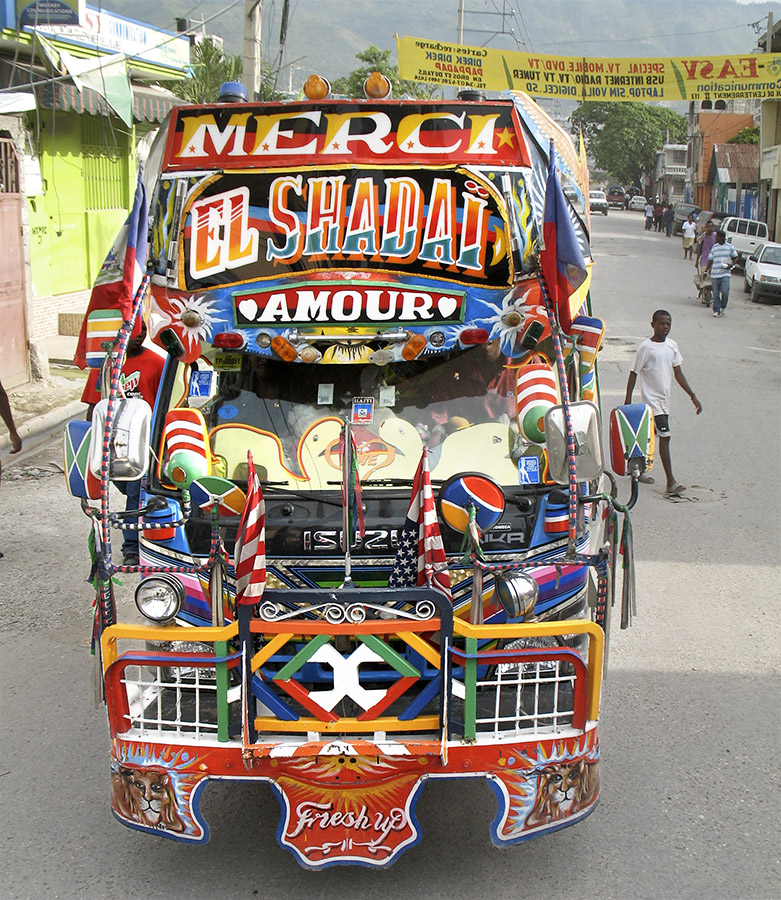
(325, 36)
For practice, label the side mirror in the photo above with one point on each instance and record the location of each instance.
(588, 442)
(631, 439)
(128, 442)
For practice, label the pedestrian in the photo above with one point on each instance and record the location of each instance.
(669, 218)
(649, 215)
(720, 264)
(657, 360)
(689, 231)
(658, 211)
(140, 378)
(8, 419)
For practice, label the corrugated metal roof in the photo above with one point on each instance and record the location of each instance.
(737, 163)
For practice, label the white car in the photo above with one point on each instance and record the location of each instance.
(597, 202)
(763, 273)
(637, 202)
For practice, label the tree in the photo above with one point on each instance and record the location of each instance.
(746, 136)
(377, 60)
(624, 137)
(210, 67)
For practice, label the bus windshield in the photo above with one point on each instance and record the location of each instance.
(460, 404)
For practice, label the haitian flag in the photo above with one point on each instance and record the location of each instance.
(122, 271)
(563, 266)
(249, 554)
(420, 557)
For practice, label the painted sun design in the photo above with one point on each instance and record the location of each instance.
(193, 317)
(507, 331)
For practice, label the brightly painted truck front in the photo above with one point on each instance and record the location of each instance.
(341, 286)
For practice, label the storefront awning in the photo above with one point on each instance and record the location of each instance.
(148, 104)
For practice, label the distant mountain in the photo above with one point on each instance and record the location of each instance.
(324, 36)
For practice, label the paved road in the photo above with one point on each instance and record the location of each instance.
(690, 729)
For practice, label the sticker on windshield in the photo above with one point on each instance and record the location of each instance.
(362, 411)
(227, 362)
(325, 394)
(227, 411)
(200, 384)
(529, 470)
(388, 395)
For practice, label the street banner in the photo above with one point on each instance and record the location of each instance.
(747, 75)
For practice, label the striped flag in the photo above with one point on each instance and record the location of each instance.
(249, 556)
(420, 557)
(563, 266)
(122, 271)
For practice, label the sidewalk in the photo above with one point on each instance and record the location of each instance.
(41, 408)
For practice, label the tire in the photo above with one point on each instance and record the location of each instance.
(755, 295)
(604, 212)
(746, 285)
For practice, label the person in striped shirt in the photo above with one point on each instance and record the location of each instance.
(721, 261)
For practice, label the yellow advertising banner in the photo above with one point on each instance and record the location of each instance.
(591, 78)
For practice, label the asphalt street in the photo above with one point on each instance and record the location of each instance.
(690, 709)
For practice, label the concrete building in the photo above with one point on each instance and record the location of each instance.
(708, 126)
(76, 102)
(770, 146)
(670, 173)
(734, 172)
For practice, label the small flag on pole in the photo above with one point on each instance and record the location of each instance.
(563, 266)
(420, 557)
(249, 556)
(122, 271)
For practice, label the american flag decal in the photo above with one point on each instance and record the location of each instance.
(420, 557)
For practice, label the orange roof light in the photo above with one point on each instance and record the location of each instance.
(414, 346)
(284, 349)
(316, 87)
(377, 86)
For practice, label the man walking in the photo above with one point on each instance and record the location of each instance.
(721, 261)
(657, 360)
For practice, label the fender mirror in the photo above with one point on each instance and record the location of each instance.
(128, 441)
(588, 442)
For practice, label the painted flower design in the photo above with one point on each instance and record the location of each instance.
(191, 317)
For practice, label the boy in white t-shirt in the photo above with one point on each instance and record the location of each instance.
(656, 361)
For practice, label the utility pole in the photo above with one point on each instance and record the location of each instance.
(251, 60)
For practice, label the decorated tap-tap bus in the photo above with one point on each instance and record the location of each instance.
(377, 539)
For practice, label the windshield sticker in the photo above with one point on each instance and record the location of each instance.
(529, 470)
(228, 362)
(325, 394)
(388, 395)
(200, 384)
(362, 411)
(227, 411)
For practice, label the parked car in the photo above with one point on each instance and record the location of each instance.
(638, 202)
(681, 213)
(745, 235)
(597, 202)
(763, 273)
(633, 191)
(616, 196)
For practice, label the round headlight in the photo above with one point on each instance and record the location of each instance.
(160, 597)
(517, 593)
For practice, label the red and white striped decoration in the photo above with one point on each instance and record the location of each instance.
(556, 519)
(249, 556)
(185, 429)
(536, 391)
